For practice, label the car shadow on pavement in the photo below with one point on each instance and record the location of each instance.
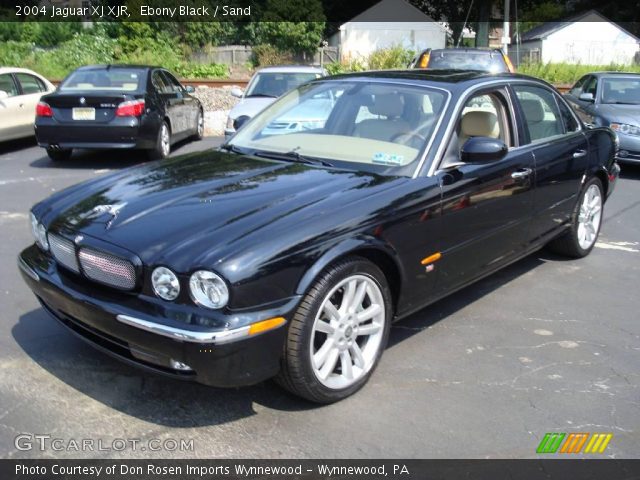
(440, 310)
(103, 159)
(173, 403)
(16, 145)
(631, 172)
(144, 395)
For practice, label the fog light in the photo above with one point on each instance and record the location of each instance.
(165, 283)
(176, 365)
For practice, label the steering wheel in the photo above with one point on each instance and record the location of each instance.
(409, 138)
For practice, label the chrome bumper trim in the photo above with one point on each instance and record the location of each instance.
(217, 338)
(28, 270)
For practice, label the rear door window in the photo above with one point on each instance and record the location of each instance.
(541, 113)
(30, 84)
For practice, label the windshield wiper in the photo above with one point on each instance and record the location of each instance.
(624, 103)
(292, 156)
(229, 147)
(261, 95)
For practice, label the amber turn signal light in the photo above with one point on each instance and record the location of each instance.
(265, 325)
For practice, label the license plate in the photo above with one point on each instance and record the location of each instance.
(84, 114)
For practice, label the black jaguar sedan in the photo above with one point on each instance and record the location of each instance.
(118, 106)
(289, 255)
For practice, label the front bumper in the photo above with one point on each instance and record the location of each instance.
(111, 322)
(628, 149)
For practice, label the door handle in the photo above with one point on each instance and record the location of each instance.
(521, 174)
(579, 153)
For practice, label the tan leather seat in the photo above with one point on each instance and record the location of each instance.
(538, 126)
(478, 123)
(389, 106)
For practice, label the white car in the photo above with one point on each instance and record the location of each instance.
(20, 92)
(266, 85)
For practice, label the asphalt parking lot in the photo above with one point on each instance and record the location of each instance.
(546, 345)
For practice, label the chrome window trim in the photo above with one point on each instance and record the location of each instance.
(180, 334)
(433, 169)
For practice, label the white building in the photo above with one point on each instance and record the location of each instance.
(589, 38)
(387, 24)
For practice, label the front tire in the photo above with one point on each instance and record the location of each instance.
(59, 155)
(338, 333)
(163, 143)
(579, 240)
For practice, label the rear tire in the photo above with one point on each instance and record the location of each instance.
(163, 143)
(59, 155)
(579, 239)
(338, 333)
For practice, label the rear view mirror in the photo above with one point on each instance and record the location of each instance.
(482, 150)
(237, 92)
(3, 94)
(190, 88)
(587, 97)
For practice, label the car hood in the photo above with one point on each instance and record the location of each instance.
(200, 209)
(250, 106)
(619, 113)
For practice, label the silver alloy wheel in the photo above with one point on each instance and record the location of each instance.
(347, 332)
(165, 140)
(200, 124)
(589, 217)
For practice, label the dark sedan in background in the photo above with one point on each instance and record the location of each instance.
(289, 255)
(611, 99)
(118, 106)
(492, 60)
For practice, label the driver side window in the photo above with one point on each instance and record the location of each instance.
(483, 115)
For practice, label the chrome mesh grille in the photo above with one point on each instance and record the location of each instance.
(64, 252)
(107, 269)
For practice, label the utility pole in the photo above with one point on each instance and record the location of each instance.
(505, 30)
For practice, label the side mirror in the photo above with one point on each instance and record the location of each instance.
(483, 150)
(190, 89)
(237, 92)
(3, 94)
(240, 121)
(586, 97)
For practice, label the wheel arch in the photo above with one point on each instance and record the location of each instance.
(377, 252)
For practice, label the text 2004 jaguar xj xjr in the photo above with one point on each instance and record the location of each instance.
(289, 255)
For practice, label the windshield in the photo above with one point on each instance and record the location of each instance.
(369, 126)
(271, 84)
(457, 60)
(621, 90)
(117, 79)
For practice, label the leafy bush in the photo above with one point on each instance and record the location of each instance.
(346, 66)
(13, 53)
(202, 71)
(390, 58)
(384, 59)
(265, 55)
(564, 73)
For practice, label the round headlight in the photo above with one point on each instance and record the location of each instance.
(165, 283)
(39, 232)
(208, 289)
